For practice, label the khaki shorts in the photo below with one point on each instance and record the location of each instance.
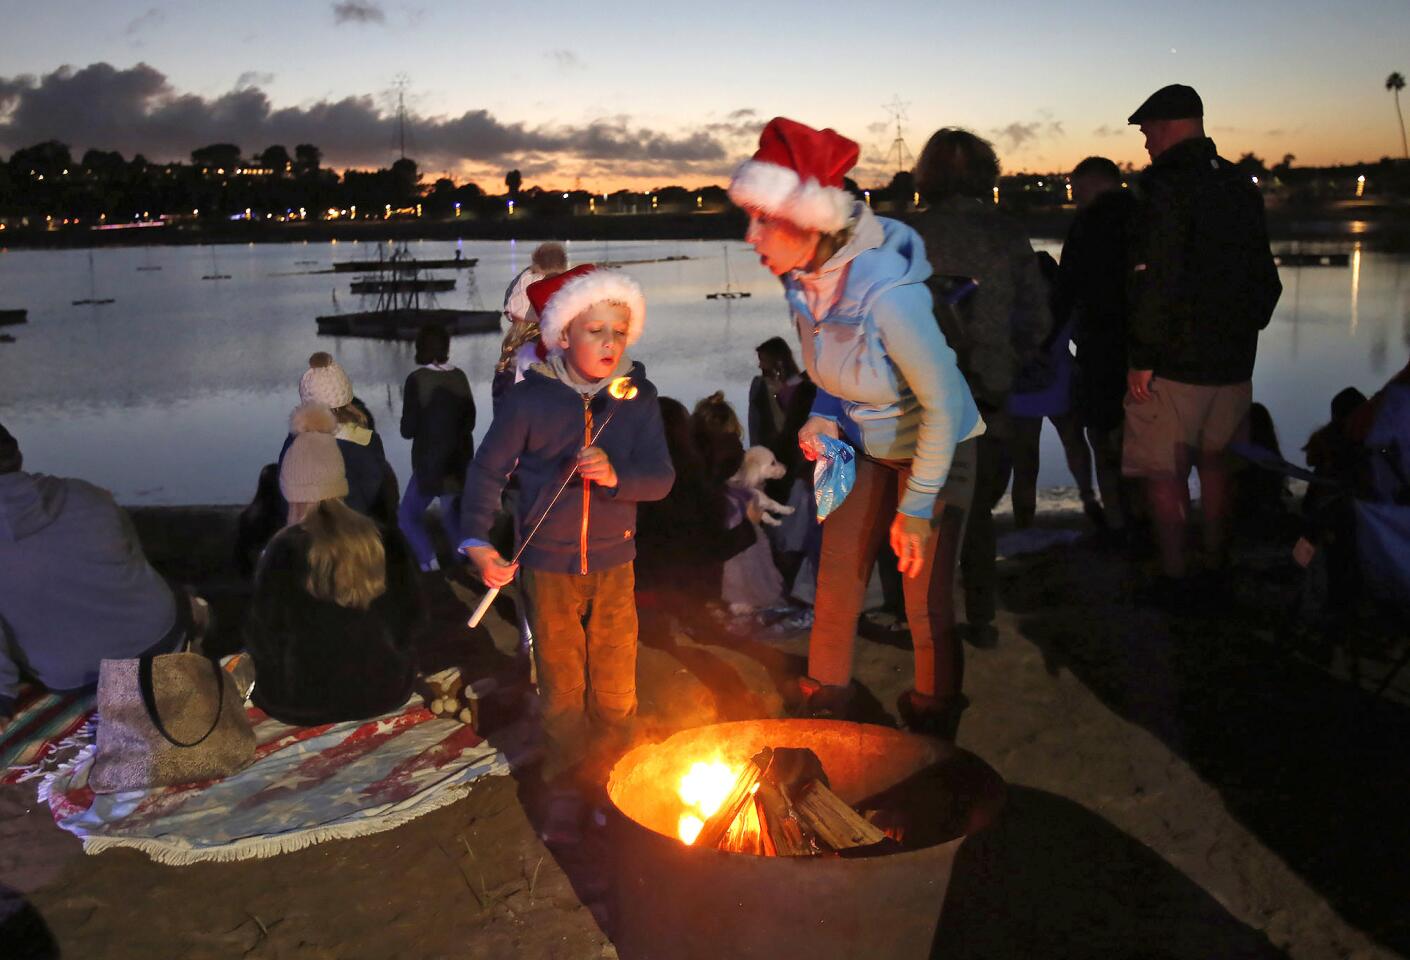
(1179, 419)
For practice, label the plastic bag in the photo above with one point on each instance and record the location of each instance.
(833, 475)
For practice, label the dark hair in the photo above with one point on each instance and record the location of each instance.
(956, 163)
(1097, 167)
(1260, 428)
(718, 435)
(777, 352)
(432, 344)
(680, 439)
(550, 258)
(1344, 404)
(10, 459)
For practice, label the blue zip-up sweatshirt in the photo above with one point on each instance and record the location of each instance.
(536, 435)
(882, 367)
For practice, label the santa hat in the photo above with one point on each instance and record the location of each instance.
(797, 174)
(557, 300)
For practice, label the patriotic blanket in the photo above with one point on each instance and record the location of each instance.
(306, 784)
(44, 723)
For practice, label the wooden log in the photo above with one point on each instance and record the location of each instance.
(767, 847)
(833, 820)
(713, 832)
(781, 824)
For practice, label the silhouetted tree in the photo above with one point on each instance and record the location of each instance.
(1396, 83)
(276, 158)
(218, 156)
(513, 180)
(307, 158)
(1251, 165)
(48, 159)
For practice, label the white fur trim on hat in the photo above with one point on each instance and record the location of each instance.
(313, 417)
(582, 292)
(777, 191)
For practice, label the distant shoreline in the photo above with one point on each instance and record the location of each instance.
(1380, 227)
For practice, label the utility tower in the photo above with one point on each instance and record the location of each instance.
(899, 152)
(400, 84)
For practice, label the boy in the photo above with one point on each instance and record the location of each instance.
(577, 577)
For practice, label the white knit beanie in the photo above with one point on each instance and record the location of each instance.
(325, 382)
(313, 467)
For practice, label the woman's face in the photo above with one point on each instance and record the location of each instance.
(781, 245)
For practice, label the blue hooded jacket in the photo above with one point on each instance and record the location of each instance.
(882, 367)
(536, 435)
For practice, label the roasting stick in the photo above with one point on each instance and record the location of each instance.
(621, 389)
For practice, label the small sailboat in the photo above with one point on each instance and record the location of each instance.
(728, 293)
(215, 273)
(92, 299)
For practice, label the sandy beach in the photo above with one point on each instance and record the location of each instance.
(1179, 787)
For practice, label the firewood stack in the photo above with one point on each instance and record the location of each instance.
(782, 805)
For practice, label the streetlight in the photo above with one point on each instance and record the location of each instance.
(1360, 185)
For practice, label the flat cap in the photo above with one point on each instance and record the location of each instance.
(1175, 102)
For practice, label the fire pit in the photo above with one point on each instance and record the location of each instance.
(675, 900)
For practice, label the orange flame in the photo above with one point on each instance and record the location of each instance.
(702, 790)
(622, 388)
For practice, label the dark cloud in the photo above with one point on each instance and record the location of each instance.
(1108, 131)
(1019, 136)
(253, 78)
(137, 110)
(358, 11)
(153, 17)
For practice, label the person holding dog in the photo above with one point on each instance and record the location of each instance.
(889, 384)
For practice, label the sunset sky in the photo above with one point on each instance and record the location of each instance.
(650, 93)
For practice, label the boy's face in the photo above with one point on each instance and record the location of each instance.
(595, 339)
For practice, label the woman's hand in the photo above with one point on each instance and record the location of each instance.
(910, 539)
(495, 571)
(593, 465)
(808, 440)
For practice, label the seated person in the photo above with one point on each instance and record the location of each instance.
(76, 587)
(336, 600)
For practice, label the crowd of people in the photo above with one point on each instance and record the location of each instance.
(933, 349)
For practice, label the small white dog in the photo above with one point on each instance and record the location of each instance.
(760, 466)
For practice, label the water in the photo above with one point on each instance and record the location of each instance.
(179, 391)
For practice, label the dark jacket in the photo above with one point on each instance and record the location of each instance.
(684, 540)
(780, 435)
(317, 662)
(75, 587)
(536, 436)
(1203, 282)
(438, 417)
(1091, 291)
(1007, 318)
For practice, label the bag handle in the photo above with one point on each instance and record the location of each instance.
(149, 700)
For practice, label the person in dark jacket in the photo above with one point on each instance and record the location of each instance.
(684, 539)
(75, 587)
(1003, 325)
(438, 417)
(1203, 285)
(368, 473)
(336, 601)
(1091, 294)
(585, 423)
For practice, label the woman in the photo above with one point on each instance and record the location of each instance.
(438, 417)
(888, 383)
(1004, 323)
(336, 600)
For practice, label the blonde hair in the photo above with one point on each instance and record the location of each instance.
(520, 333)
(347, 562)
(352, 413)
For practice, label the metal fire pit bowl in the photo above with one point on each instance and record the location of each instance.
(680, 903)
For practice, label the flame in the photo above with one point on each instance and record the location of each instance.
(702, 790)
(622, 388)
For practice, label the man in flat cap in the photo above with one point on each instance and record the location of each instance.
(1203, 285)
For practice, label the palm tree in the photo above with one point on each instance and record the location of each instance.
(1396, 83)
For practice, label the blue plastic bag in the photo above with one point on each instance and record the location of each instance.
(833, 475)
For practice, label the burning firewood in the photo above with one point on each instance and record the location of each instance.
(834, 821)
(786, 833)
(713, 832)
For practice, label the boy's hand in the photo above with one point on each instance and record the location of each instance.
(593, 465)
(495, 571)
(808, 437)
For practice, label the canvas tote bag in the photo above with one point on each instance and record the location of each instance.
(167, 719)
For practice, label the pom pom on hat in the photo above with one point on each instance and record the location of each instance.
(557, 300)
(313, 468)
(325, 382)
(796, 174)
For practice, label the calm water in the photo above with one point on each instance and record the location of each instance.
(179, 391)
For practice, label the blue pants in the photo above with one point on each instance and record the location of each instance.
(411, 518)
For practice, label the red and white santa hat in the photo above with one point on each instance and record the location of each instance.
(557, 300)
(797, 174)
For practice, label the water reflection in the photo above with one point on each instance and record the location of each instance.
(179, 391)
